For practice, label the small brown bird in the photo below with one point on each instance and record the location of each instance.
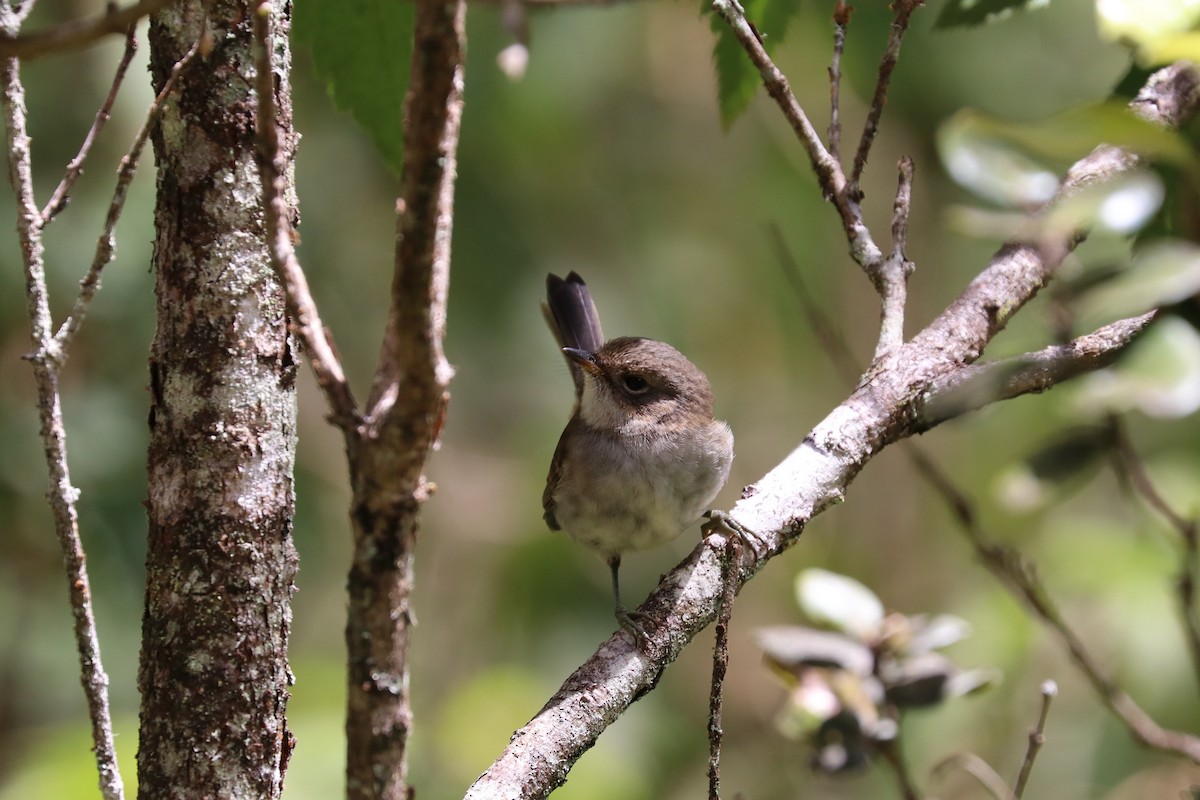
(641, 458)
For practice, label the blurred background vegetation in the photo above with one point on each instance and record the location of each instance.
(608, 158)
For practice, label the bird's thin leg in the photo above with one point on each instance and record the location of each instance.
(627, 619)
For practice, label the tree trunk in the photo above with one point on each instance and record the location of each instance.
(220, 561)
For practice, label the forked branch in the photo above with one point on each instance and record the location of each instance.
(106, 244)
(58, 200)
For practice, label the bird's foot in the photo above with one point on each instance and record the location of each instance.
(635, 623)
(720, 522)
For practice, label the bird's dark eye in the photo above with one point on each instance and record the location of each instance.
(634, 383)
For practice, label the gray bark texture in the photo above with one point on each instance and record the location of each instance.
(220, 561)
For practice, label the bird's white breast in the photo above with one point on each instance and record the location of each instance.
(644, 486)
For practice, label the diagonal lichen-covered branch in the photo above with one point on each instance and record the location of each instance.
(888, 406)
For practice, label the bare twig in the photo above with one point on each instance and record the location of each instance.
(106, 244)
(58, 200)
(424, 217)
(841, 18)
(62, 494)
(828, 171)
(732, 558)
(890, 275)
(1134, 468)
(978, 769)
(902, 207)
(1021, 578)
(76, 34)
(1189, 576)
(1037, 738)
(902, 10)
(301, 306)
(975, 386)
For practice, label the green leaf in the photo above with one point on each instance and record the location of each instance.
(1168, 49)
(363, 54)
(960, 13)
(1159, 30)
(1006, 161)
(992, 168)
(737, 77)
(840, 603)
(1121, 205)
(1161, 274)
(774, 18)
(1075, 132)
(1159, 376)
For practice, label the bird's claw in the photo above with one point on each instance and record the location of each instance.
(633, 622)
(720, 522)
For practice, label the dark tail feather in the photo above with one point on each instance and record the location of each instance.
(572, 317)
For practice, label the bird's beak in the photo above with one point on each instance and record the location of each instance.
(586, 360)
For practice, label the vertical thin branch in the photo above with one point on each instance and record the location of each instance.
(828, 171)
(412, 343)
(62, 495)
(405, 409)
(890, 275)
(1189, 576)
(1037, 738)
(730, 564)
(58, 200)
(902, 11)
(106, 244)
(20, 10)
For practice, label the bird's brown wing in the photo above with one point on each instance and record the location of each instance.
(549, 506)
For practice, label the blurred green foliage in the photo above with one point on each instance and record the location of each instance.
(609, 158)
(364, 60)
